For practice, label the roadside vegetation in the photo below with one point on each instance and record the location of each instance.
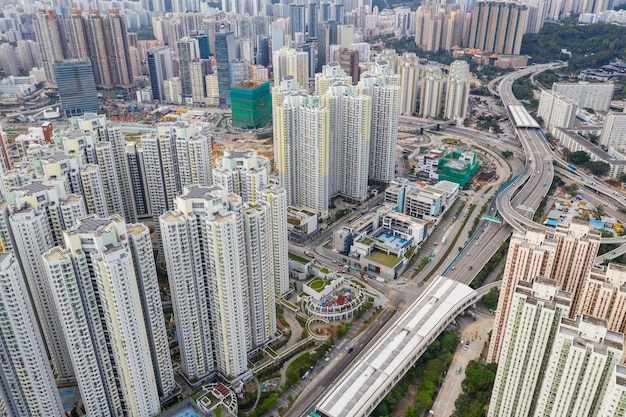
(422, 381)
(477, 386)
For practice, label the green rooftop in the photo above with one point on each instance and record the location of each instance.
(299, 259)
(384, 259)
(318, 284)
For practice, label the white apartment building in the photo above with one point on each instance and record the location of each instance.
(173, 88)
(530, 255)
(102, 130)
(409, 79)
(556, 110)
(457, 91)
(110, 178)
(567, 256)
(331, 74)
(288, 61)
(431, 93)
(93, 190)
(152, 308)
(349, 147)
(276, 198)
(614, 130)
(36, 214)
(247, 174)
(28, 387)
(54, 165)
(136, 167)
(575, 377)
(538, 309)
(595, 96)
(216, 245)
(301, 147)
(175, 157)
(96, 292)
(242, 172)
(383, 85)
(614, 400)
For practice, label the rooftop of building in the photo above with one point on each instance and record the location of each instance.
(94, 225)
(590, 147)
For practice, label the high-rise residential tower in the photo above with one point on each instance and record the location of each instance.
(116, 37)
(113, 163)
(567, 256)
(604, 296)
(577, 248)
(383, 85)
(288, 61)
(431, 93)
(27, 384)
(51, 39)
(538, 309)
(174, 158)
(530, 255)
(498, 27)
(409, 79)
(349, 147)
(302, 139)
(579, 368)
(36, 214)
(276, 198)
(97, 49)
(457, 91)
(330, 74)
(243, 173)
(140, 245)
(218, 251)
(77, 35)
(96, 292)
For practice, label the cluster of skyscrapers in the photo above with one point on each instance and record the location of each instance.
(331, 143)
(558, 333)
(200, 52)
(71, 244)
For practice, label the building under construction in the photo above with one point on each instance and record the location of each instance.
(251, 104)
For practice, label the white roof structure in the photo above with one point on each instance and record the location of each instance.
(522, 118)
(372, 376)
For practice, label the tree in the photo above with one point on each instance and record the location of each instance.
(477, 386)
(572, 189)
(491, 298)
(598, 168)
(622, 177)
(577, 158)
(506, 154)
(599, 211)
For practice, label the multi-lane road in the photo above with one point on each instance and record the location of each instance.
(516, 204)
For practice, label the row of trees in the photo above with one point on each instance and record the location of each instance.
(582, 159)
(427, 373)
